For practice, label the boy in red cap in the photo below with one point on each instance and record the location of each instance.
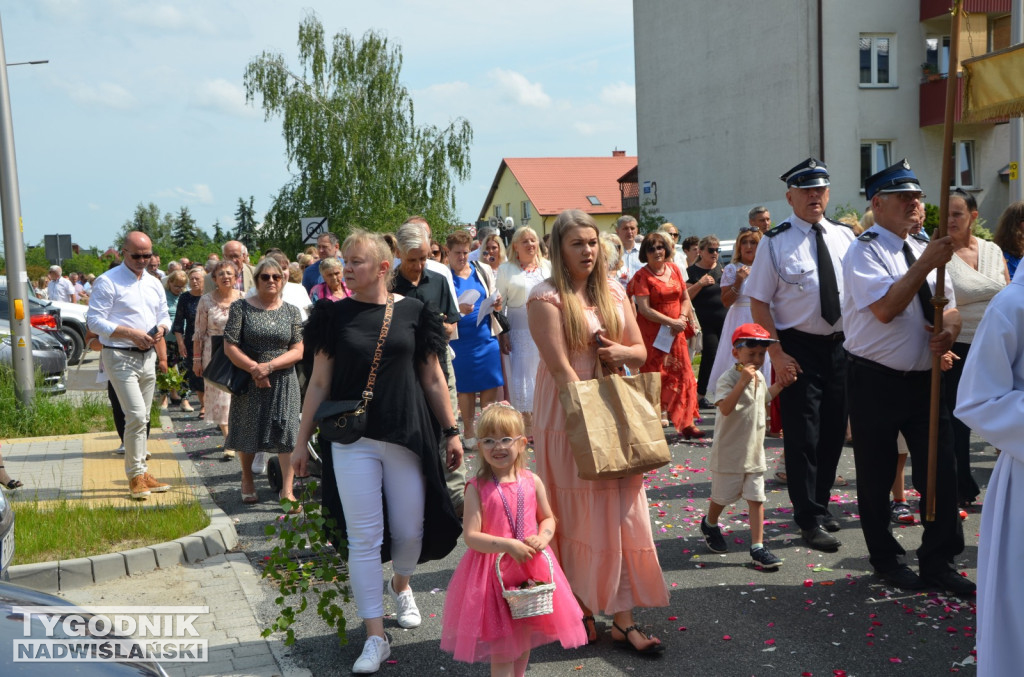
(737, 453)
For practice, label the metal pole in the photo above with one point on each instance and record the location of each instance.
(14, 246)
(1017, 123)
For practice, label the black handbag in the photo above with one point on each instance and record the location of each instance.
(222, 373)
(502, 321)
(344, 421)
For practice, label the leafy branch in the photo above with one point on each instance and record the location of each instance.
(319, 577)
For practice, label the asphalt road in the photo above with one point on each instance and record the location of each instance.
(821, 614)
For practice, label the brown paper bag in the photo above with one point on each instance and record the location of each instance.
(614, 425)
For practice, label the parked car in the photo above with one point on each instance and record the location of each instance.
(12, 596)
(71, 316)
(48, 355)
(6, 535)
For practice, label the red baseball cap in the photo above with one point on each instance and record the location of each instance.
(751, 330)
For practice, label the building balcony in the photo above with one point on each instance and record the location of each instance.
(933, 8)
(932, 103)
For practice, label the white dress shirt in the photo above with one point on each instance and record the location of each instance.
(60, 289)
(119, 298)
(871, 267)
(785, 274)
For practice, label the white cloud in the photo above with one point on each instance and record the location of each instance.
(224, 96)
(446, 89)
(200, 193)
(105, 94)
(521, 90)
(167, 18)
(619, 93)
(93, 206)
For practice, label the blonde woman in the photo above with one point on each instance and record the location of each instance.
(604, 540)
(525, 269)
(492, 251)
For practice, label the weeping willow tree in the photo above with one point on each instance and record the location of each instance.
(356, 154)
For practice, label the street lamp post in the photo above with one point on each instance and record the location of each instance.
(14, 246)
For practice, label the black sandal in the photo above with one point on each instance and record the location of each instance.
(588, 623)
(624, 643)
(11, 484)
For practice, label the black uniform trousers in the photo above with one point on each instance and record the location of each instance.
(966, 488)
(884, 402)
(814, 421)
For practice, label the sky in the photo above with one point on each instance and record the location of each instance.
(144, 102)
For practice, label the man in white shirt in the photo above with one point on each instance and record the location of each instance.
(153, 268)
(626, 228)
(60, 288)
(128, 310)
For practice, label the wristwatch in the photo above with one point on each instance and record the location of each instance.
(450, 432)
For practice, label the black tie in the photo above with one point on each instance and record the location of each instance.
(827, 286)
(924, 293)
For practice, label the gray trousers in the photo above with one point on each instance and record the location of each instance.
(133, 376)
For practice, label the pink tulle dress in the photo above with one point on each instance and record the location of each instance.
(478, 625)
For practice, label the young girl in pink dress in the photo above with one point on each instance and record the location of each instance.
(507, 511)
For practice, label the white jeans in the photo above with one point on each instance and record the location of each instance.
(133, 376)
(367, 471)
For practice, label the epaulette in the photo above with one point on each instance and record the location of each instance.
(781, 228)
(920, 237)
(867, 236)
(839, 223)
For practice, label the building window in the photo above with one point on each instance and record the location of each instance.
(877, 60)
(963, 165)
(937, 54)
(593, 200)
(874, 157)
(497, 211)
(999, 33)
(525, 218)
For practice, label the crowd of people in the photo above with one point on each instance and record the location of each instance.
(826, 333)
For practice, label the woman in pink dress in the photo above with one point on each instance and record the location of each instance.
(211, 316)
(604, 540)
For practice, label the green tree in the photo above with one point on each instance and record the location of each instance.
(650, 218)
(147, 219)
(219, 235)
(245, 224)
(184, 232)
(358, 156)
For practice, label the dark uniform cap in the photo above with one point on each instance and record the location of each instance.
(895, 179)
(810, 173)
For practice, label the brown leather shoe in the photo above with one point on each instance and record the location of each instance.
(138, 487)
(154, 485)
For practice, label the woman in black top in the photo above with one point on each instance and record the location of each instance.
(702, 282)
(184, 328)
(396, 462)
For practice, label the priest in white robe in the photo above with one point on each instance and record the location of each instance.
(991, 402)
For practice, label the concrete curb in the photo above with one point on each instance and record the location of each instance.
(216, 539)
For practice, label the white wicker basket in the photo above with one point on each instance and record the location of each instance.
(535, 601)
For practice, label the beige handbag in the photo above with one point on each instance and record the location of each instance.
(614, 425)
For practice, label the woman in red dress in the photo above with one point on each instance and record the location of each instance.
(659, 290)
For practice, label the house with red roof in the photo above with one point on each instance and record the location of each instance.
(534, 191)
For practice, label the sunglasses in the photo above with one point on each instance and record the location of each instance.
(267, 277)
(657, 247)
(435, 252)
(749, 229)
(675, 235)
(141, 257)
(489, 443)
(752, 343)
(713, 250)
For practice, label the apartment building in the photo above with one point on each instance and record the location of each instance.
(731, 94)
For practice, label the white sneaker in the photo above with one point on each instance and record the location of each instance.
(375, 651)
(259, 463)
(120, 450)
(408, 613)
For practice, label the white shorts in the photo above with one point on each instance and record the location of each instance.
(729, 487)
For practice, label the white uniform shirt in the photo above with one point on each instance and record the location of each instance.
(872, 266)
(785, 274)
(120, 298)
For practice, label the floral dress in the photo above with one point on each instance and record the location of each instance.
(211, 317)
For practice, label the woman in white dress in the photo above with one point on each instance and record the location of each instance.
(525, 269)
(734, 277)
